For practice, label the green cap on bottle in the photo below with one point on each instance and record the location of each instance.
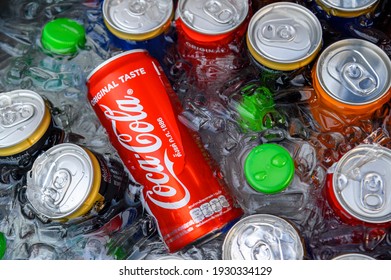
(3, 245)
(256, 109)
(63, 36)
(269, 168)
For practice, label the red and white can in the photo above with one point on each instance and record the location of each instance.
(135, 103)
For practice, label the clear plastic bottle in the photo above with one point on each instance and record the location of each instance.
(3, 245)
(272, 178)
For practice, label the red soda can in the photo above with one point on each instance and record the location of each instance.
(358, 187)
(134, 101)
(211, 38)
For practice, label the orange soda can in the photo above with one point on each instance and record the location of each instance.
(351, 81)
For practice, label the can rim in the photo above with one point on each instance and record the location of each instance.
(284, 65)
(353, 9)
(92, 180)
(111, 59)
(340, 164)
(142, 35)
(356, 256)
(226, 248)
(179, 14)
(353, 42)
(39, 131)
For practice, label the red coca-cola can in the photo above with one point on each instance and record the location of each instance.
(135, 103)
(211, 39)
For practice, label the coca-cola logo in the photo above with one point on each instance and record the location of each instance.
(137, 136)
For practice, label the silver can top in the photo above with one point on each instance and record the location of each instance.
(349, 5)
(262, 237)
(136, 17)
(353, 256)
(60, 180)
(212, 17)
(21, 113)
(284, 33)
(362, 183)
(354, 71)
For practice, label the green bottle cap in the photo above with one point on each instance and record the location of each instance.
(3, 245)
(269, 168)
(256, 109)
(63, 36)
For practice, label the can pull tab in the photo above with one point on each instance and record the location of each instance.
(56, 192)
(372, 194)
(220, 10)
(358, 79)
(286, 31)
(351, 69)
(137, 7)
(15, 114)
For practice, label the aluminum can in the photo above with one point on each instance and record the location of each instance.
(139, 24)
(69, 181)
(210, 38)
(282, 38)
(359, 186)
(258, 4)
(263, 237)
(134, 101)
(26, 129)
(348, 9)
(342, 16)
(351, 81)
(163, 257)
(353, 256)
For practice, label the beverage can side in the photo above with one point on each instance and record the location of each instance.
(213, 41)
(263, 237)
(134, 101)
(350, 83)
(348, 9)
(358, 186)
(141, 25)
(137, 20)
(211, 21)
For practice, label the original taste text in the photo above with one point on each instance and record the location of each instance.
(115, 83)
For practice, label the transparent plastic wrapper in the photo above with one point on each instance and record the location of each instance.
(288, 194)
(62, 51)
